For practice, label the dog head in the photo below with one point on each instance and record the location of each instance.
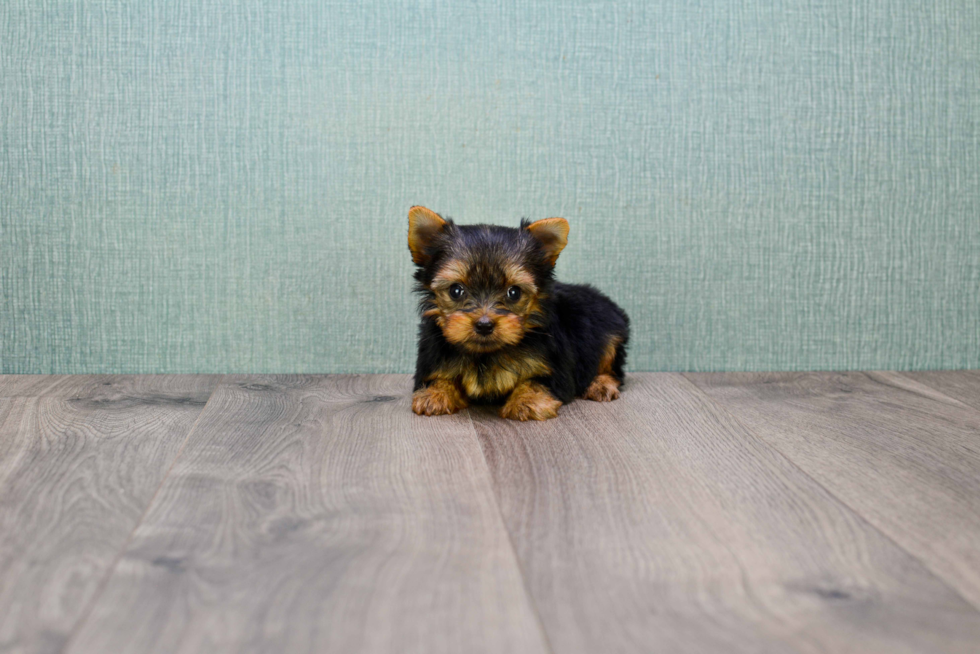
(484, 284)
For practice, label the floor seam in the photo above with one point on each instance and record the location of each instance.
(938, 390)
(110, 571)
(510, 541)
(860, 516)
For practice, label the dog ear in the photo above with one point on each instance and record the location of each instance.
(424, 227)
(552, 234)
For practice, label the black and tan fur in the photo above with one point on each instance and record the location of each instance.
(496, 327)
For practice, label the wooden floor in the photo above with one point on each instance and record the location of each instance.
(790, 512)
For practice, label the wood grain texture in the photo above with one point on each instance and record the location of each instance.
(963, 385)
(903, 455)
(657, 523)
(79, 465)
(29, 385)
(319, 514)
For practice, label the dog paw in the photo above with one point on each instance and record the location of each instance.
(437, 399)
(604, 388)
(530, 401)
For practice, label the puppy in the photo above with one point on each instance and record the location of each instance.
(496, 326)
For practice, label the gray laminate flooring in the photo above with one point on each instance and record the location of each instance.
(735, 512)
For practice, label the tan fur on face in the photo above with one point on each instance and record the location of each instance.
(530, 401)
(441, 397)
(518, 276)
(457, 327)
(452, 272)
(508, 329)
(533, 311)
(457, 319)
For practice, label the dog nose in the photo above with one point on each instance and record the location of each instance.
(484, 326)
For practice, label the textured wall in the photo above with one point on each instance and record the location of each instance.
(222, 186)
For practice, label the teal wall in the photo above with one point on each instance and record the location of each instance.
(223, 186)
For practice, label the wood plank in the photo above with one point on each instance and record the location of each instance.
(64, 385)
(657, 523)
(319, 514)
(29, 385)
(901, 454)
(963, 385)
(78, 467)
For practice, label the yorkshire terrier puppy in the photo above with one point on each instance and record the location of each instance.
(497, 327)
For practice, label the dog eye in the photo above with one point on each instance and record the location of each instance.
(456, 291)
(513, 293)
